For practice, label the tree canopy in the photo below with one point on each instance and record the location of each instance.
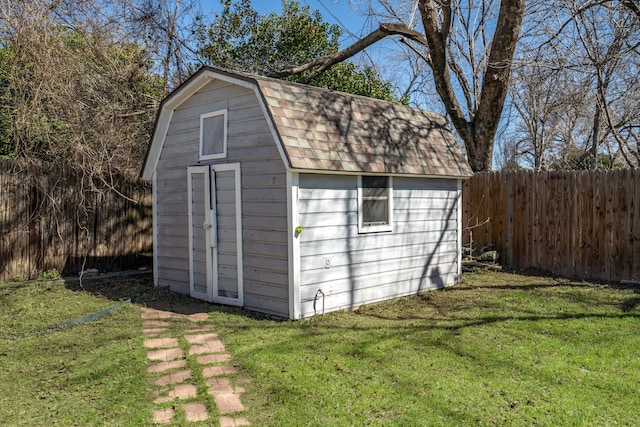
(81, 80)
(72, 94)
(554, 82)
(473, 49)
(575, 88)
(239, 38)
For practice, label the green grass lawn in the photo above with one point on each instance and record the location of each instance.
(497, 349)
(89, 374)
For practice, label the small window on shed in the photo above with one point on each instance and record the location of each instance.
(213, 135)
(375, 204)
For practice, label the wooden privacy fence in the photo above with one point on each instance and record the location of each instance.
(583, 224)
(49, 221)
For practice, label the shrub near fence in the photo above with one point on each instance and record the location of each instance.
(50, 221)
(581, 224)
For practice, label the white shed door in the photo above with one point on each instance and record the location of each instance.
(215, 234)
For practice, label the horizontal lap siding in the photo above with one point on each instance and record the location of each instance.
(264, 205)
(264, 209)
(264, 213)
(353, 269)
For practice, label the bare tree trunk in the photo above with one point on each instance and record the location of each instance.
(477, 127)
(495, 84)
(595, 137)
(479, 131)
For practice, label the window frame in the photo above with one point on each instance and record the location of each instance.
(203, 117)
(375, 228)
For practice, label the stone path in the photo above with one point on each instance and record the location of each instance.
(180, 365)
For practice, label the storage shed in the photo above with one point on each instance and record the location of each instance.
(292, 200)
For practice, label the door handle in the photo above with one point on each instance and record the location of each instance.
(210, 229)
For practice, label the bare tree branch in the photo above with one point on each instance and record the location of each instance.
(328, 61)
(633, 6)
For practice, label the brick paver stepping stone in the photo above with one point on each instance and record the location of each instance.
(198, 317)
(163, 416)
(196, 329)
(182, 391)
(151, 314)
(228, 403)
(161, 343)
(195, 412)
(233, 422)
(165, 366)
(203, 339)
(213, 358)
(227, 399)
(165, 354)
(219, 386)
(210, 347)
(175, 378)
(216, 371)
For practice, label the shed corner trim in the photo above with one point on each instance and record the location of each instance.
(293, 233)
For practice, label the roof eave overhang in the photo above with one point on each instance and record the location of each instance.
(412, 175)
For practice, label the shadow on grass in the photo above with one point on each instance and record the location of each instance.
(456, 321)
(630, 303)
(139, 287)
(557, 283)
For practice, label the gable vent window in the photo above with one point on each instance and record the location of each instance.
(213, 135)
(375, 204)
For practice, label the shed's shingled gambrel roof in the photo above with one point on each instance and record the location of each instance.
(325, 130)
(328, 130)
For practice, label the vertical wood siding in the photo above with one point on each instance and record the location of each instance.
(353, 269)
(582, 224)
(264, 222)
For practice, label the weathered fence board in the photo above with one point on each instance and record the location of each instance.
(583, 224)
(49, 221)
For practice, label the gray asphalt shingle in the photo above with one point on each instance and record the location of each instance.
(329, 130)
